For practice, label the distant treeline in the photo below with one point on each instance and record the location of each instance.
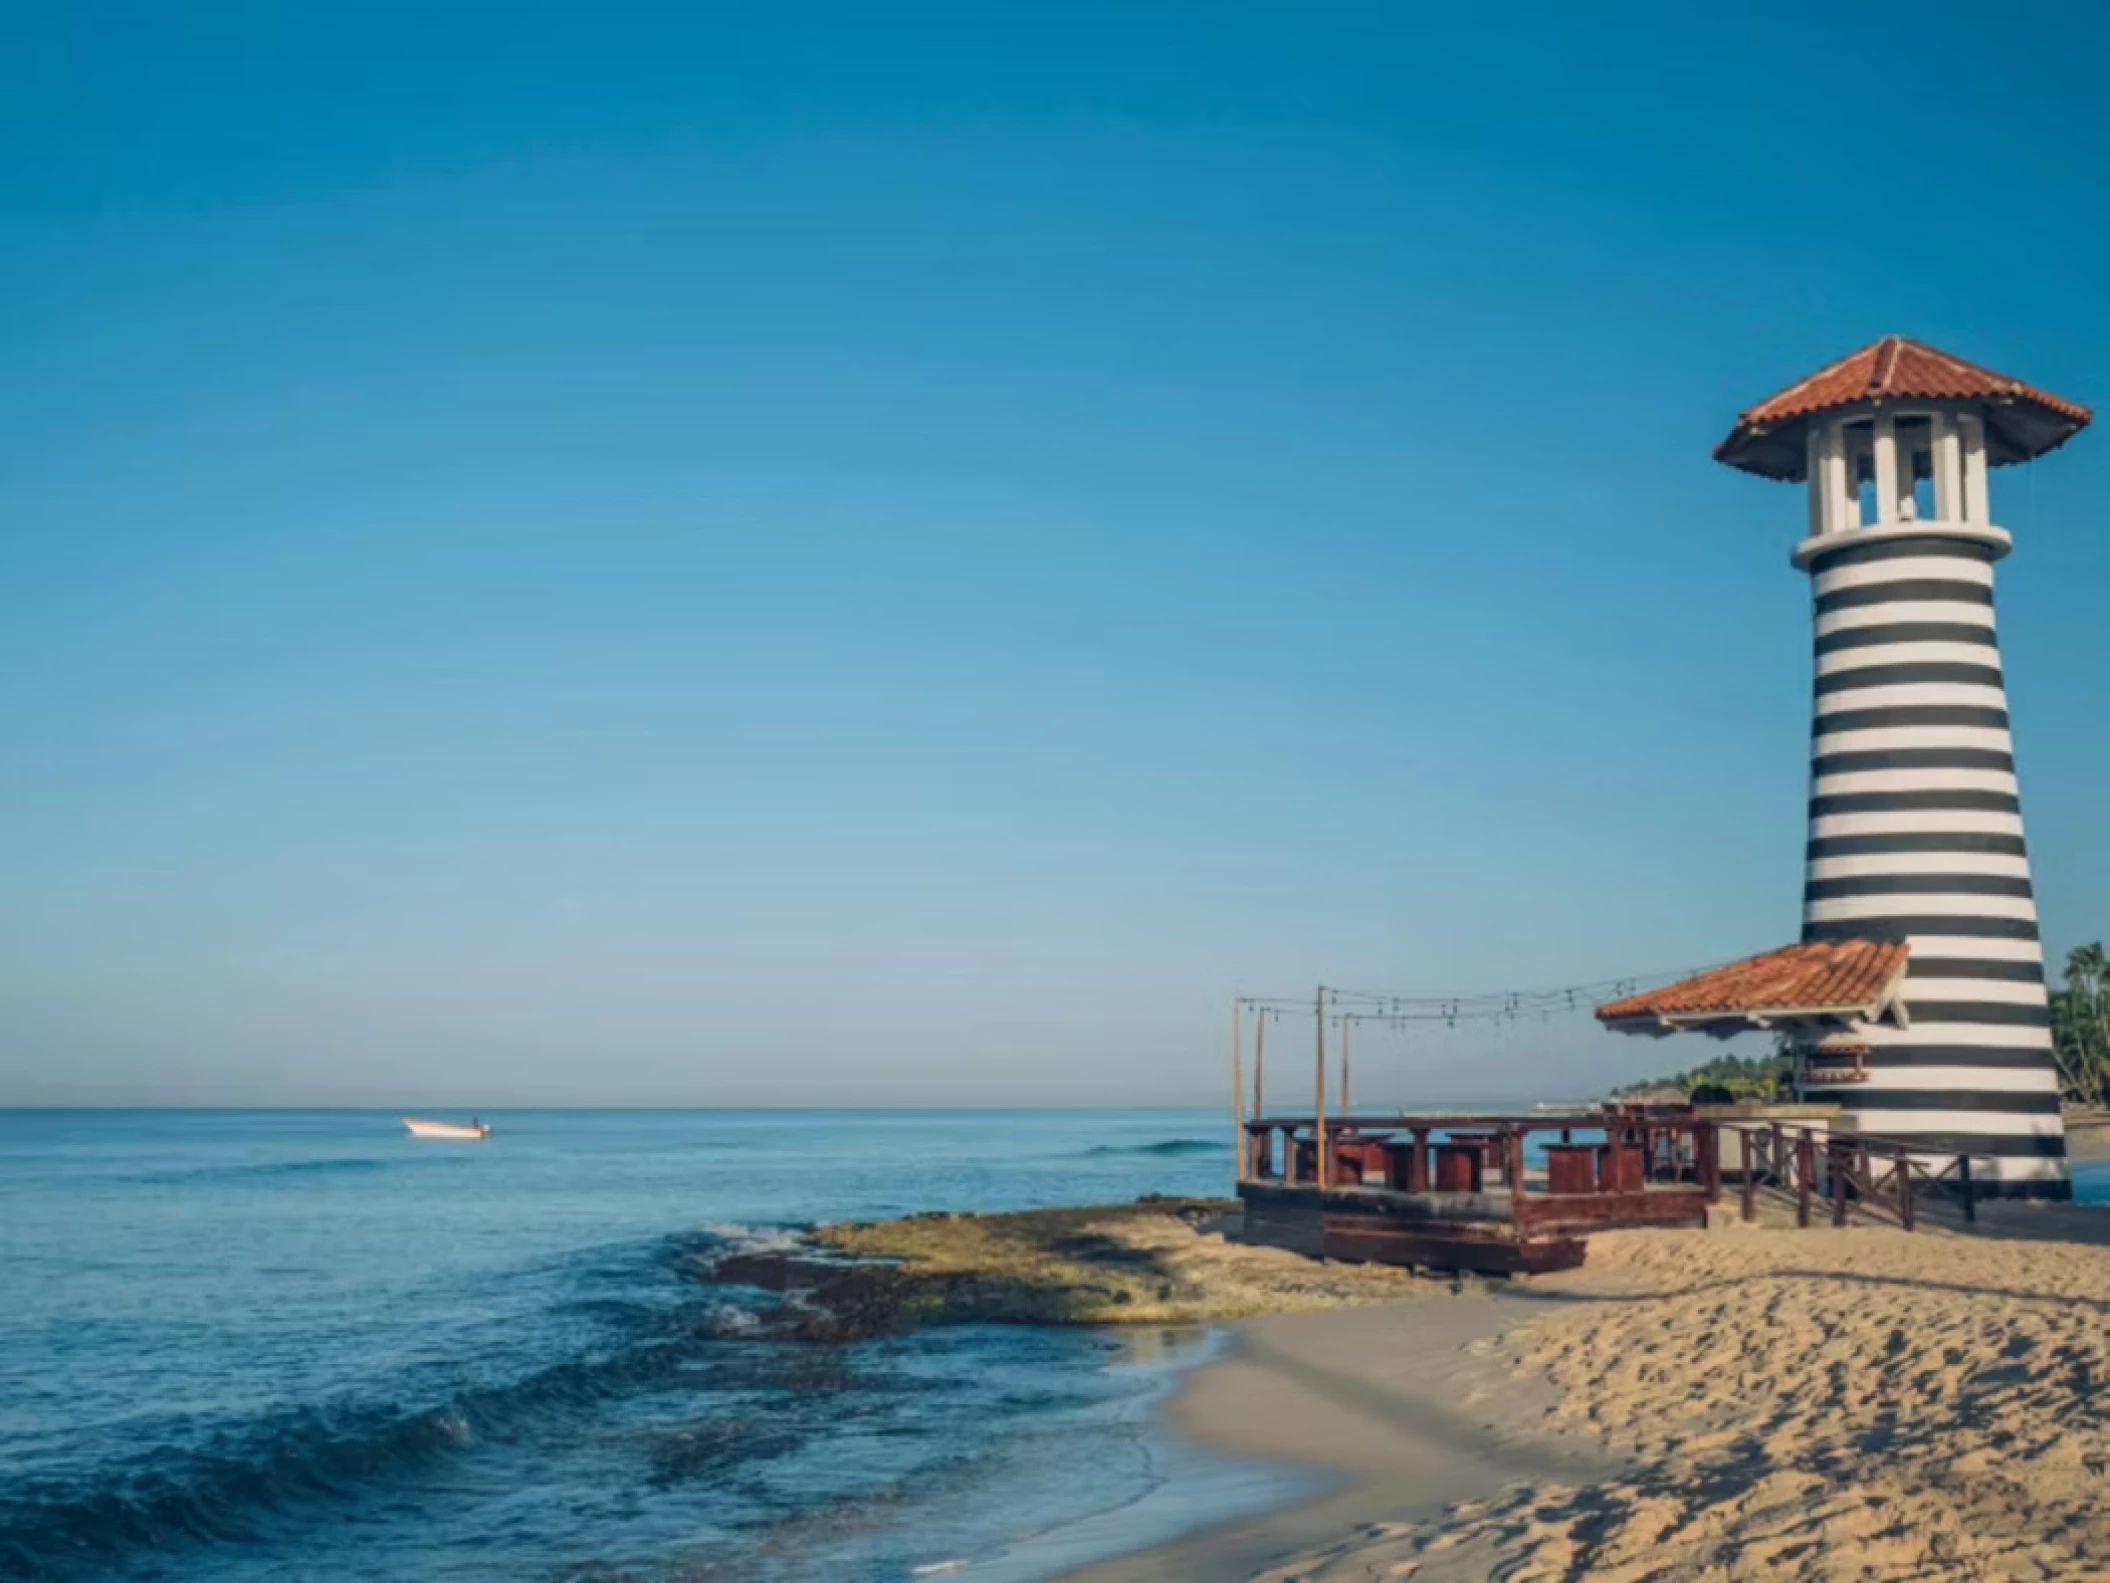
(1735, 1076)
(2080, 1035)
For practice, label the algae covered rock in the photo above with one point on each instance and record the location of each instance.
(1155, 1261)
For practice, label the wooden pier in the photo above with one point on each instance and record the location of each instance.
(1465, 1192)
(1519, 1194)
(1498, 1195)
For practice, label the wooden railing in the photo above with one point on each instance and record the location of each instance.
(1881, 1175)
(1674, 1145)
(1650, 1167)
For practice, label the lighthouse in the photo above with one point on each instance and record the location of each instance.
(1915, 815)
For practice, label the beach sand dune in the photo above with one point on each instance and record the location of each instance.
(1740, 1402)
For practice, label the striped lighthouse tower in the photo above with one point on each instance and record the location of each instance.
(1915, 814)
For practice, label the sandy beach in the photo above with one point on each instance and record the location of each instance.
(1744, 1401)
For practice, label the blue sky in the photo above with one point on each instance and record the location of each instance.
(582, 554)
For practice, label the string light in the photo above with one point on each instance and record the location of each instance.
(1494, 1006)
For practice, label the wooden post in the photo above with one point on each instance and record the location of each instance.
(1773, 1160)
(1418, 1162)
(1833, 1158)
(1805, 1174)
(1344, 1066)
(1743, 1144)
(1707, 1149)
(1238, 1138)
(1318, 1124)
(1513, 1167)
(1904, 1180)
(1963, 1176)
(1260, 1054)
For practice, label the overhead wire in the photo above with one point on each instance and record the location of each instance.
(1380, 1006)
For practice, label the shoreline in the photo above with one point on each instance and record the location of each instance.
(1691, 1403)
(1323, 1391)
(1394, 1410)
(1193, 1487)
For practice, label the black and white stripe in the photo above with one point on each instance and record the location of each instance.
(1916, 834)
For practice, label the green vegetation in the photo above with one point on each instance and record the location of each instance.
(2080, 1026)
(1105, 1264)
(1733, 1076)
(1156, 1261)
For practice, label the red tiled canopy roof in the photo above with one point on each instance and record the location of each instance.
(1846, 980)
(2021, 420)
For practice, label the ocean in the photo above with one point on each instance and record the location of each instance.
(254, 1345)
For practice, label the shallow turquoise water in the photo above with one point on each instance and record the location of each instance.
(264, 1345)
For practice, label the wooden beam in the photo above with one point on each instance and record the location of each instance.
(1318, 1126)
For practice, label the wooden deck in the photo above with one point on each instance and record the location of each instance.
(1490, 1231)
(1464, 1192)
(1457, 1193)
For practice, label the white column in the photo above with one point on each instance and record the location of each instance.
(1820, 479)
(1841, 509)
(1813, 471)
(1886, 451)
(1976, 508)
(1853, 445)
(1948, 468)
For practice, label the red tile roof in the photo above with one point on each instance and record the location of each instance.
(1850, 977)
(2021, 420)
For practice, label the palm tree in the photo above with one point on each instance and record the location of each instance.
(2069, 1052)
(2095, 971)
(2080, 1024)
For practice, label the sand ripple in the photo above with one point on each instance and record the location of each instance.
(1823, 1404)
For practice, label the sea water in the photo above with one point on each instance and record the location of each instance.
(253, 1345)
(273, 1345)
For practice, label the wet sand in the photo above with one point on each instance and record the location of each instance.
(1737, 1402)
(1402, 1403)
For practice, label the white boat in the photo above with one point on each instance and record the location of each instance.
(475, 1132)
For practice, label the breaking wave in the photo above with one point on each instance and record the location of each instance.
(1164, 1147)
(233, 1481)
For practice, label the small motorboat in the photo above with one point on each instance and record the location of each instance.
(474, 1132)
